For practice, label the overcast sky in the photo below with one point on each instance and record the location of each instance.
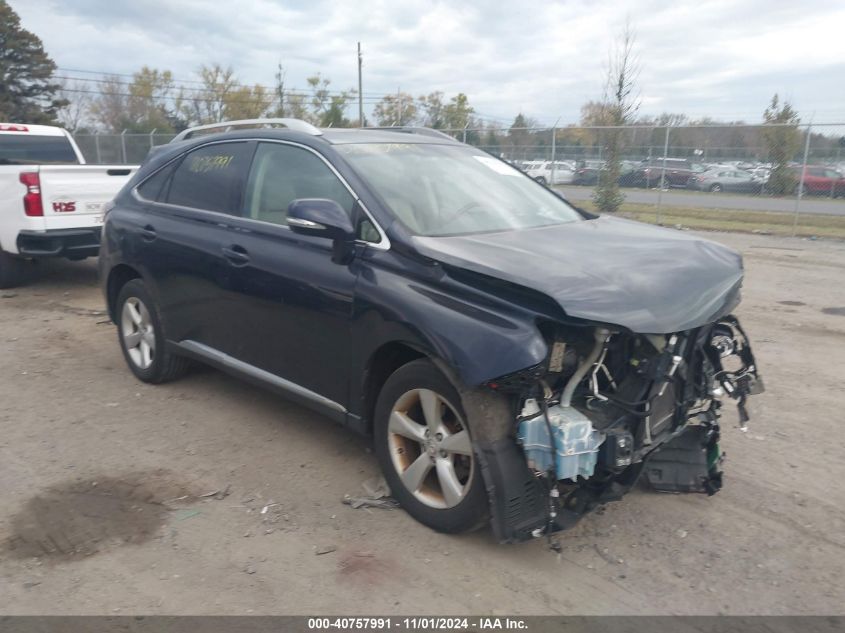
(717, 58)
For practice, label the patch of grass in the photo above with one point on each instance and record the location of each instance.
(735, 220)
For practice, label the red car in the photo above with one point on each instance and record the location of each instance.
(820, 180)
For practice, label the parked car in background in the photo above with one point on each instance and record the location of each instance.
(819, 180)
(518, 362)
(543, 173)
(725, 180)
(678, 172)
(761, 173)
(51, 202)
(587, 172)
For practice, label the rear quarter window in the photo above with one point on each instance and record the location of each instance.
(154, 188)
(29, 149)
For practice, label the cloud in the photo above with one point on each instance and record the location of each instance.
(717, 58)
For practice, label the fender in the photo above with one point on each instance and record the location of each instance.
(477, 335)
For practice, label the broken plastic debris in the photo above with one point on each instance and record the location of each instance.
(218, 494)
(187, 513)
(384, 503)
(376, 487)
(378, 496)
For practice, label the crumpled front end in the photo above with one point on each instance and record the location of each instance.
(604, 408)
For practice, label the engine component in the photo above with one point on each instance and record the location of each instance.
(618, 450)
(584, 368)
(574, 443)
(735, 368)
(689, 463)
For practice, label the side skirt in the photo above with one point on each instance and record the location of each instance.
(262, 378)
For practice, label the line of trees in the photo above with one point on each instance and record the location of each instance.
(151, 99)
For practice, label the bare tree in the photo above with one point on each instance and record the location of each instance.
(398, 109)
(619, 107)
(76, 115)
(208, 104)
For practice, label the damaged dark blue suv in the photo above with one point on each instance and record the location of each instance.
(517, 360)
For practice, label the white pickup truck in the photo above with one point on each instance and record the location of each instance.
(51, 202)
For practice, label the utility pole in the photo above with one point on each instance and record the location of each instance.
(280, 86)
(554, 154)
(360, 94)
(662, 173)
(398, 106)
(801, 181)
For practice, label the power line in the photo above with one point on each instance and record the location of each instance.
(106, 78)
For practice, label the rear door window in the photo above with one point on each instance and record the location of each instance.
(212, 178)
(26, 149)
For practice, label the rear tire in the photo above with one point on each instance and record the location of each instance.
(12, 271)
(141, 336)
(423, 446)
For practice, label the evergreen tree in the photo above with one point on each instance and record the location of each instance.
(27, 91)
(782, 141)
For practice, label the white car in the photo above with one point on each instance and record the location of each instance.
(542, 172)
(51, 202)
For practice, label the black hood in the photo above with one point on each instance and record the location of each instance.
(647, 279)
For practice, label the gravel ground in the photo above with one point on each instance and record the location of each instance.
(102, 508)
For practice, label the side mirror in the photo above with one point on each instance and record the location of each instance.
(324, 218)
(320, 218)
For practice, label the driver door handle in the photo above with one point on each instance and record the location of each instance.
(237, 255)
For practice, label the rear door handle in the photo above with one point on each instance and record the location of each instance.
(236, 255)
(148, 233)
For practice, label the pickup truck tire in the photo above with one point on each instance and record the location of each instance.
(12, 270)
(422, 443)
(142, 338)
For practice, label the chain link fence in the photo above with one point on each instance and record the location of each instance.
(784, 168)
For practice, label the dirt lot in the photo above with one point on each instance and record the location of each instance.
(75, 424)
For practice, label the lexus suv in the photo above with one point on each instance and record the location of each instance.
(517, 361)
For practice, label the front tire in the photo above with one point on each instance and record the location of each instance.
(425, 451)
(142, 338)
(715, 188)
(541, 180)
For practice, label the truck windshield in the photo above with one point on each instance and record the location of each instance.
(26, 149)
(438, 190)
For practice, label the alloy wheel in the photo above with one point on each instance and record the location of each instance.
(138, 333)
(430, 448)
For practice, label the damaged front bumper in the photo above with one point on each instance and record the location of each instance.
(605, 408)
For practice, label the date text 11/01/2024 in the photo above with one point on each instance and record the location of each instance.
(417, 623)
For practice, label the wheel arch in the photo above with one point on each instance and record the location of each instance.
(118, 277)
(382, 363)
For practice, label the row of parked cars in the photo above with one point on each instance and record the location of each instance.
(737, 176)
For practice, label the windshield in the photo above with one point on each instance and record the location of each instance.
(437, 190)
(25, 149)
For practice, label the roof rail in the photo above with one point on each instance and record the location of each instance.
(297, 125)
(410, 129)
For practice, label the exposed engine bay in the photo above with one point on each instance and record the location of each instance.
(608, 406)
